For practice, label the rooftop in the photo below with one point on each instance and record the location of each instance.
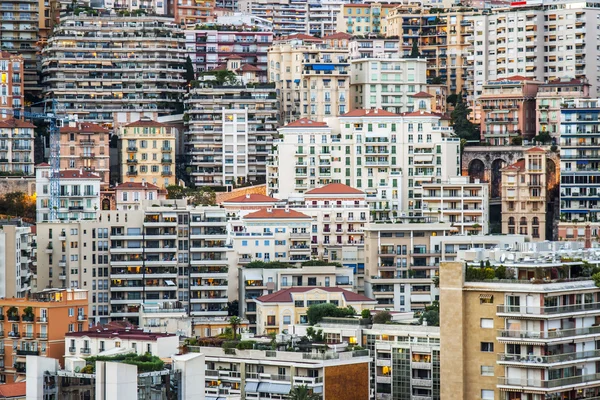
(252, 198)
(77, 174)
(276, 213)
(83, 127)
(131, 334)
(136, 185)
(285, 295)
(335, 188)
(305, 122)
(146, 122)
(423, 95)
(12, 390)
(16, 123)
(370, 113)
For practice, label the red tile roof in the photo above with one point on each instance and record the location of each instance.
(304, 122)
(285, 295)
(77, 174)
(145, 123)
(302, 36)
(83, 127)
(12, 390)
(535, 150)
(514, 78)
(338, 35)
(423, 95)
(518, 165)
(233, 57)
(41, 165)
(276, 213)
(420, 114)
(15, 123)
(138, 334)
(135, 185)
(249, 68)
(335, 188)
(252, 198)
(370, 113)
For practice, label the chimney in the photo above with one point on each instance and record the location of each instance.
(269, 210)
(247, 195)
(376, 111)
(287, 209)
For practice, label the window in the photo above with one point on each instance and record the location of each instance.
(487, 347)
(487, 395)
(487, 323)
(287, 320)
(71, 312)
(487, 370)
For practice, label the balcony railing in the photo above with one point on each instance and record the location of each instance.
(550, 334)
(566, 309)
(85, 350)
(548, 384)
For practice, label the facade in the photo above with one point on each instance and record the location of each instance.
(258, 282)
(37, 325)
(229, 132)
(241, 19)
(129, 257)
(17, 248)
(147, 153)
(463, 203)
(311, 76)
(399, 85)
(524, 196)
(246, 373)
(131, 195)
(79, 194)
(400, 263)
(579, 169)
(288, 16)
(190, 12)
(453, 248)
(323, 16)
(209, 49)
(85, 146)
(508, 109)
(16, 146)
(12, 82)
(373, 48)
(155, 7)
(364, 19)
(139, 73)
(551, 97)
(523, 337)
(382, 164)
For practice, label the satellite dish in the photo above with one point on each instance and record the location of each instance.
(77, 369)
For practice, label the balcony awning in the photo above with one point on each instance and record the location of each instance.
(170, 283)
(575, 211)
(170, 215)
(296, 80)
(252, 276)
(264, 387)
(323, 67)
(251, 387)
(280, 388)
(486, 296)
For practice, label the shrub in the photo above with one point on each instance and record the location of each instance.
(245, 345)
(382, 317)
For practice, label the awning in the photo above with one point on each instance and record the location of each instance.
(280, 388)
(251, 387)
(21, 359)
(486, 296)
(170, 283)
(264, 387)
(323, 67)
(575, 211)
(296, 80)
(170, 215)
(318, 389)
(252, 276)
(431, 19)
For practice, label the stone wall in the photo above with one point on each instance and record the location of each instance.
(17, 184)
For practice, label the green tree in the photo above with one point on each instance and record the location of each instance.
(463, 128)
(431, 314)
(516, 141)
(189, 74)
(176, 192)
(235, 322)
(382, 317)
(365, 314)
(202, 196)
(17, 204)
(302, 393)
(225, 77)
(543, 137)
(596, 278)
(414, 52)
(233, 308)
(317, 312)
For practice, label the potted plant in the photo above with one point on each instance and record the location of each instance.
(28, 314)
(13, 314)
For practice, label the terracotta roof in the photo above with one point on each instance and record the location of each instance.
(369, 113)
(135, 185)
(301, 36)
(15, 123)
(573, 81)
(442, 116)
(276, 213)
(12, 390)
(146, 122)
(514, 78)
(536, 150)
(338, 35)
(42, 165)
(304, 122)
(249, 68)
(285, 295)
(335, 188)
(518, 165)
(220, 67)
(138, 334)
(77, 174)
(83, 127)
(252, 198)
(6, 54)
(362, 5)
(420, 114)
(423, 95)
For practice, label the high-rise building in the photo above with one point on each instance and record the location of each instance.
(138, 69)
(12, 83)
(311, 76)
(229, 131)
(85, 146)
(192, 12)
(289, 16)
(361, 47)
(17, 247)
(146, 153)
(364, 18)
(16, 146)
(323, 16)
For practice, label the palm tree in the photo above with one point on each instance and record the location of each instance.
(235, 322)
(302, 393)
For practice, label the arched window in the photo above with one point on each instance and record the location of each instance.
(523, 221)
(511, 220)
(535, 221)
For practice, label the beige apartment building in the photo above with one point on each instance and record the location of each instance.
(12, 83)
(311, 77)
(364, 19)
(147, 153)
(85, 146)
(524, 196)
(192, 12)
(17, 248)
(16, 146)
(531, 335)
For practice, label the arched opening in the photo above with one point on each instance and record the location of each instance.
(511, 220)
(106, 204)
(477, 170)
(496, 177)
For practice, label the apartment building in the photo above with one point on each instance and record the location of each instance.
(579, 168)
(400, 263)
(12, 82)
(311, 76)
(209, 49)
(129, 257)
(20, 26)
(249, 374)
(364, 19)
(17, 247)
(288, 16)
(239, 19)
(323, 16)
(442, 39)
(131, 195)
(524, 196)
(191, 12)
(531, 334)
(229, 132)
(453, 248)
(257, 282)
(155, 7)
(373, 48)
(85, 146)
(508, 109)
(37, 325)
(147, 153)
(393, 84)
(112, 341)
(16, 146)
(79, 194)
(463, 203)
(138, 72)
(551, 97)
(540, 41)
(382, 163)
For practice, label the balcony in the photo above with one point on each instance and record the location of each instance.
(549, 334)
(573, 381)
(584, 308)
(72, 350)
(85, 350)
(88, 155)
(132, 148)
(132, 161)
(27, 352)
(132, 173)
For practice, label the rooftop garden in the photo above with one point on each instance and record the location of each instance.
(571, 270)
(279, 264)
(144, 363)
